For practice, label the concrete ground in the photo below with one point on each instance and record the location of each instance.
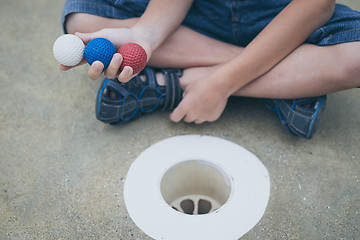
(62, 172)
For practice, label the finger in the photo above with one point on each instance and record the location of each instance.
(177, 114)
(126, 74)
(95, 70)
(65, 68)
(86, 37)
(214, 118)
(199, 121)
(113, 68)
(188, 119)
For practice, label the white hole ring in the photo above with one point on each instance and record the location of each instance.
(249, 180)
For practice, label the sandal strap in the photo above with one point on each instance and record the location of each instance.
(150, 83)
(169, 95)
(150, 77)
(173, 90)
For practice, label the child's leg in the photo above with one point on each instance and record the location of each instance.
(309, 71)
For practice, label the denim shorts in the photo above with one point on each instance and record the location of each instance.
(236, 22)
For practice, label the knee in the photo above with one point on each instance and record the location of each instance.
(351, 64)
(75, 22)
(87, 23)
(354, 66)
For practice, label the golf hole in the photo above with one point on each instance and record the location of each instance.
(195, 187)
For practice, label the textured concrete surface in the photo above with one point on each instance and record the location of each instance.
(62, 172)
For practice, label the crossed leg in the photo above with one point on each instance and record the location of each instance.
(308, 71)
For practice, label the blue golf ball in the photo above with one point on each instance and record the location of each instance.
(99, 49)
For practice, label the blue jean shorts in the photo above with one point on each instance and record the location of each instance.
(232, 21)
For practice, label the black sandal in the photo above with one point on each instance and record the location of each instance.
(117, 103)
(300, 116)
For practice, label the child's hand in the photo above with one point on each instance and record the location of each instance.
(202, 102)
(118, 36)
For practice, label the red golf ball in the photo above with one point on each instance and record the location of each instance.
(134, 56)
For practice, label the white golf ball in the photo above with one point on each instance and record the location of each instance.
(68, 50)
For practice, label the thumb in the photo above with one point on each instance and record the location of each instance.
(87, 37)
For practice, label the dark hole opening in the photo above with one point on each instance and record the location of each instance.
(188, 206)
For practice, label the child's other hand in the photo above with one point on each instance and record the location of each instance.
(202, 102)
